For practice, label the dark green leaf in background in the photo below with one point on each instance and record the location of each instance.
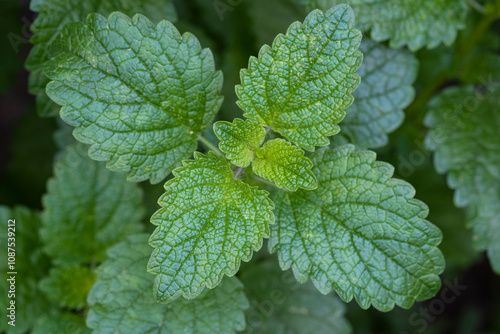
(279, 304)
(385, 90)
(87, 208)
(464, 123)
(415, 23)
(121, 301)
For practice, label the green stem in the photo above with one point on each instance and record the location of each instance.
(238, 172)
(413, 111)
(481, 28)
(261, 180)
(209, 145)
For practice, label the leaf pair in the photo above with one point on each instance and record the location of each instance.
(277, 161)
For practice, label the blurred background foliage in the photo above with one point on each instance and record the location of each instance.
(234, 32)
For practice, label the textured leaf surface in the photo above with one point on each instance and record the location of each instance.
(208, 223)
(279, 304)
(464, 135)
(284, 164)
(239, 139)
(302, 84)
(68, 285)
(385, 90)
(360, 232)
(415, 23)
(61, 323)
(31, 265)
(54, 14)
(87, 209)
(139, 93)
(122, 301)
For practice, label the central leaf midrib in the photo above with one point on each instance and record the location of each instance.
(198, 237)
(306, 74)
(118, 78)
(352, 232)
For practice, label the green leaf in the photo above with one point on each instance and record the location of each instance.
(302, 84)
(87, 209)
(279, 304)
(385, 90)
(415, 23)
(361, 233)
(30, 265)
(61, 323)
(208, 223)
(121, 301)
(239, 140)
(54, 14)
(284, 164)
(68, 285)
(140, 104)
(463, 133)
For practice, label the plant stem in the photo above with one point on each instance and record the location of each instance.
(208, 144)
(238, 172)
(425, 95)
(261, 180)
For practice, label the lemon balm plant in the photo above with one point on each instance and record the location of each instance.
(294, 169)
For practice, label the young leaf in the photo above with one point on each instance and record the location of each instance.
(302, 84)
(284, 164)
(279, 304)
(208, 223)
(54, 14)
(239, 140)
(464, 135)
(68, 285)
(139, 93)
(415, 23)
(361, 233)
(87, 209)
(30, 265)
(386, 89)
(121, 301)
